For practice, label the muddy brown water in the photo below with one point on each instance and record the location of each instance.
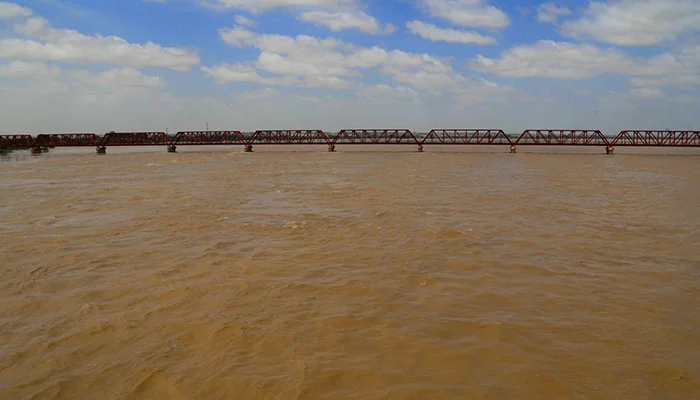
(215, 274)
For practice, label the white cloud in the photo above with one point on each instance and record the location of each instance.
(564, 60)
(11, 10)
(99, 49)
(119, 78)
(395, 61)
(236, 36)
(475, 91)
(225, 73)
(327, 82)
(464, 89)
(426, 80)
(33, 26)
(279, 64)
(550, 12)
(434, 33)
(245, 21)
(29, 70)
(636, 22)
(264, 5)
(324, 61)
(473, 13)
(386, 91)
(67, 45)
(258, 94)
(638, 94)
(341, 20)
(679, 80)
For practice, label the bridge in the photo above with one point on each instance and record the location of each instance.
(450, 137)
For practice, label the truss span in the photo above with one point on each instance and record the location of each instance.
(67, 139)
(300, 137)
(467, 137)
(135, 139)
(658, 138)
(16, 142)
(375, 136)
(209, 138)
(562, 137)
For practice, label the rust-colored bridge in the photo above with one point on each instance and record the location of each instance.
(531, 137)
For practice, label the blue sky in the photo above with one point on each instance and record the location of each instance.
(81, 65)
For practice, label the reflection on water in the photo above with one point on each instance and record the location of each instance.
(354, 275)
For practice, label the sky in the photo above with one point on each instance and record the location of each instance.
(152, 65)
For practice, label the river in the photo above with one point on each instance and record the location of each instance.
(352, 275)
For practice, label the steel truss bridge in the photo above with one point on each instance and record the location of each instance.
(450, 137)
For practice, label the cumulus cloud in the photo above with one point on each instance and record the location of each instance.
(472, 13)
(327, 82)
(550, 12)
(265, 5)
(341, 20)
(225, 73)
(280, 64)
(99, 49)
(436, 34)
(67, 45)
(29, 70)
(687, 81)
(635, 22)
(426, 80)
(382, 90)
(11, 10)
(245, 21)
(637, 94)
(119, 78)
(565, 60)
(326, 60)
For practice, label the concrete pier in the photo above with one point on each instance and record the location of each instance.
(35, 150)
(172, 149)
(101, 150)
(249, 148)
(513, 149)
(331, 148)
(609, 150)
(420, 148)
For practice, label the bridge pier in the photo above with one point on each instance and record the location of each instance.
(248, 148)
(420, 148)
(513, 149)
(101, 150)
(331, 148)
(609, 150)
(35, 150)
(172, 148)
